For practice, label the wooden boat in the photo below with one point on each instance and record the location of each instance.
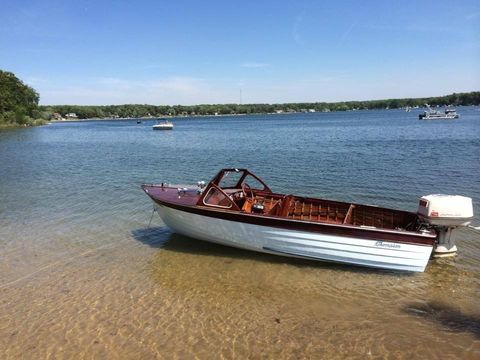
(236, 208)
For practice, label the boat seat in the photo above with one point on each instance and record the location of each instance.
(275, 207)
(247, 205)
(286, 203)
(272, 205)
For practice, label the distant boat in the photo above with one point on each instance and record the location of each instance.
(431, 114)
(139, 122)
(165, 125)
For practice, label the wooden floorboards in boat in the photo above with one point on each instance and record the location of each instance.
(327, 211)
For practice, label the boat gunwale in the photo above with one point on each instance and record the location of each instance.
(371, 233)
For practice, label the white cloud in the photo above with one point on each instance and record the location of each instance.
(254, 65)
(328, 86)
(106, 90)
(178, 84)
(473, 16)
(36, 80)
(115, 83)
(346, 33)
(296, 30)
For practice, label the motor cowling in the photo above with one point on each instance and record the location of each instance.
(445, 213)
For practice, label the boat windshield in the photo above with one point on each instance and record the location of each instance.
(230, 188)
(238, 179)
(217, 198)
(253, 183)
(231, 179)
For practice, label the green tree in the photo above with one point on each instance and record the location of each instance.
(16, 98)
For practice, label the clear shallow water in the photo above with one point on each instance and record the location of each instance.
(80, 275)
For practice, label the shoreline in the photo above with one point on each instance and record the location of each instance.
(35, 123)
(169, 117)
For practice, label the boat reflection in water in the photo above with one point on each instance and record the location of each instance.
(236, 208)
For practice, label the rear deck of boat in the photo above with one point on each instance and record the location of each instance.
(333, 212)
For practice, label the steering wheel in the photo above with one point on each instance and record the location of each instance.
(237, 195)
(246, 188)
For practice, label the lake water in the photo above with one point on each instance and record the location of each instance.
(81, 275)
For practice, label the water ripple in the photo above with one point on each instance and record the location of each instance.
(81, 274)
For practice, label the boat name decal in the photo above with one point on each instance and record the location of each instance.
(387, 245)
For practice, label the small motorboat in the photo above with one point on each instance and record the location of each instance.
(164, 125)
(432, 114)
(236, 208)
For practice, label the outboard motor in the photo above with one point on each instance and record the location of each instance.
(445, 214)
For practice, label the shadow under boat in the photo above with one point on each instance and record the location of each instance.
(448, 317)
(161, 237)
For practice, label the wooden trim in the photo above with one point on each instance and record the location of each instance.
(287, 202)
(348, 217)
(307, 226)
(201, 201)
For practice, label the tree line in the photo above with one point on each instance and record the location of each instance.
(143, 110)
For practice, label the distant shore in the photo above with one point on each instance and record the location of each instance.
(40, 122)
(154, 118)
(145, 111)
(170, 117)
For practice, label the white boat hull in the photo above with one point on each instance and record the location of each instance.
(294, 243)
(439, 118)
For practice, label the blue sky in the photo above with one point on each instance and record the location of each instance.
(192, 52)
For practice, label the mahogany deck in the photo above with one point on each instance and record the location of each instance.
(332, 212)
